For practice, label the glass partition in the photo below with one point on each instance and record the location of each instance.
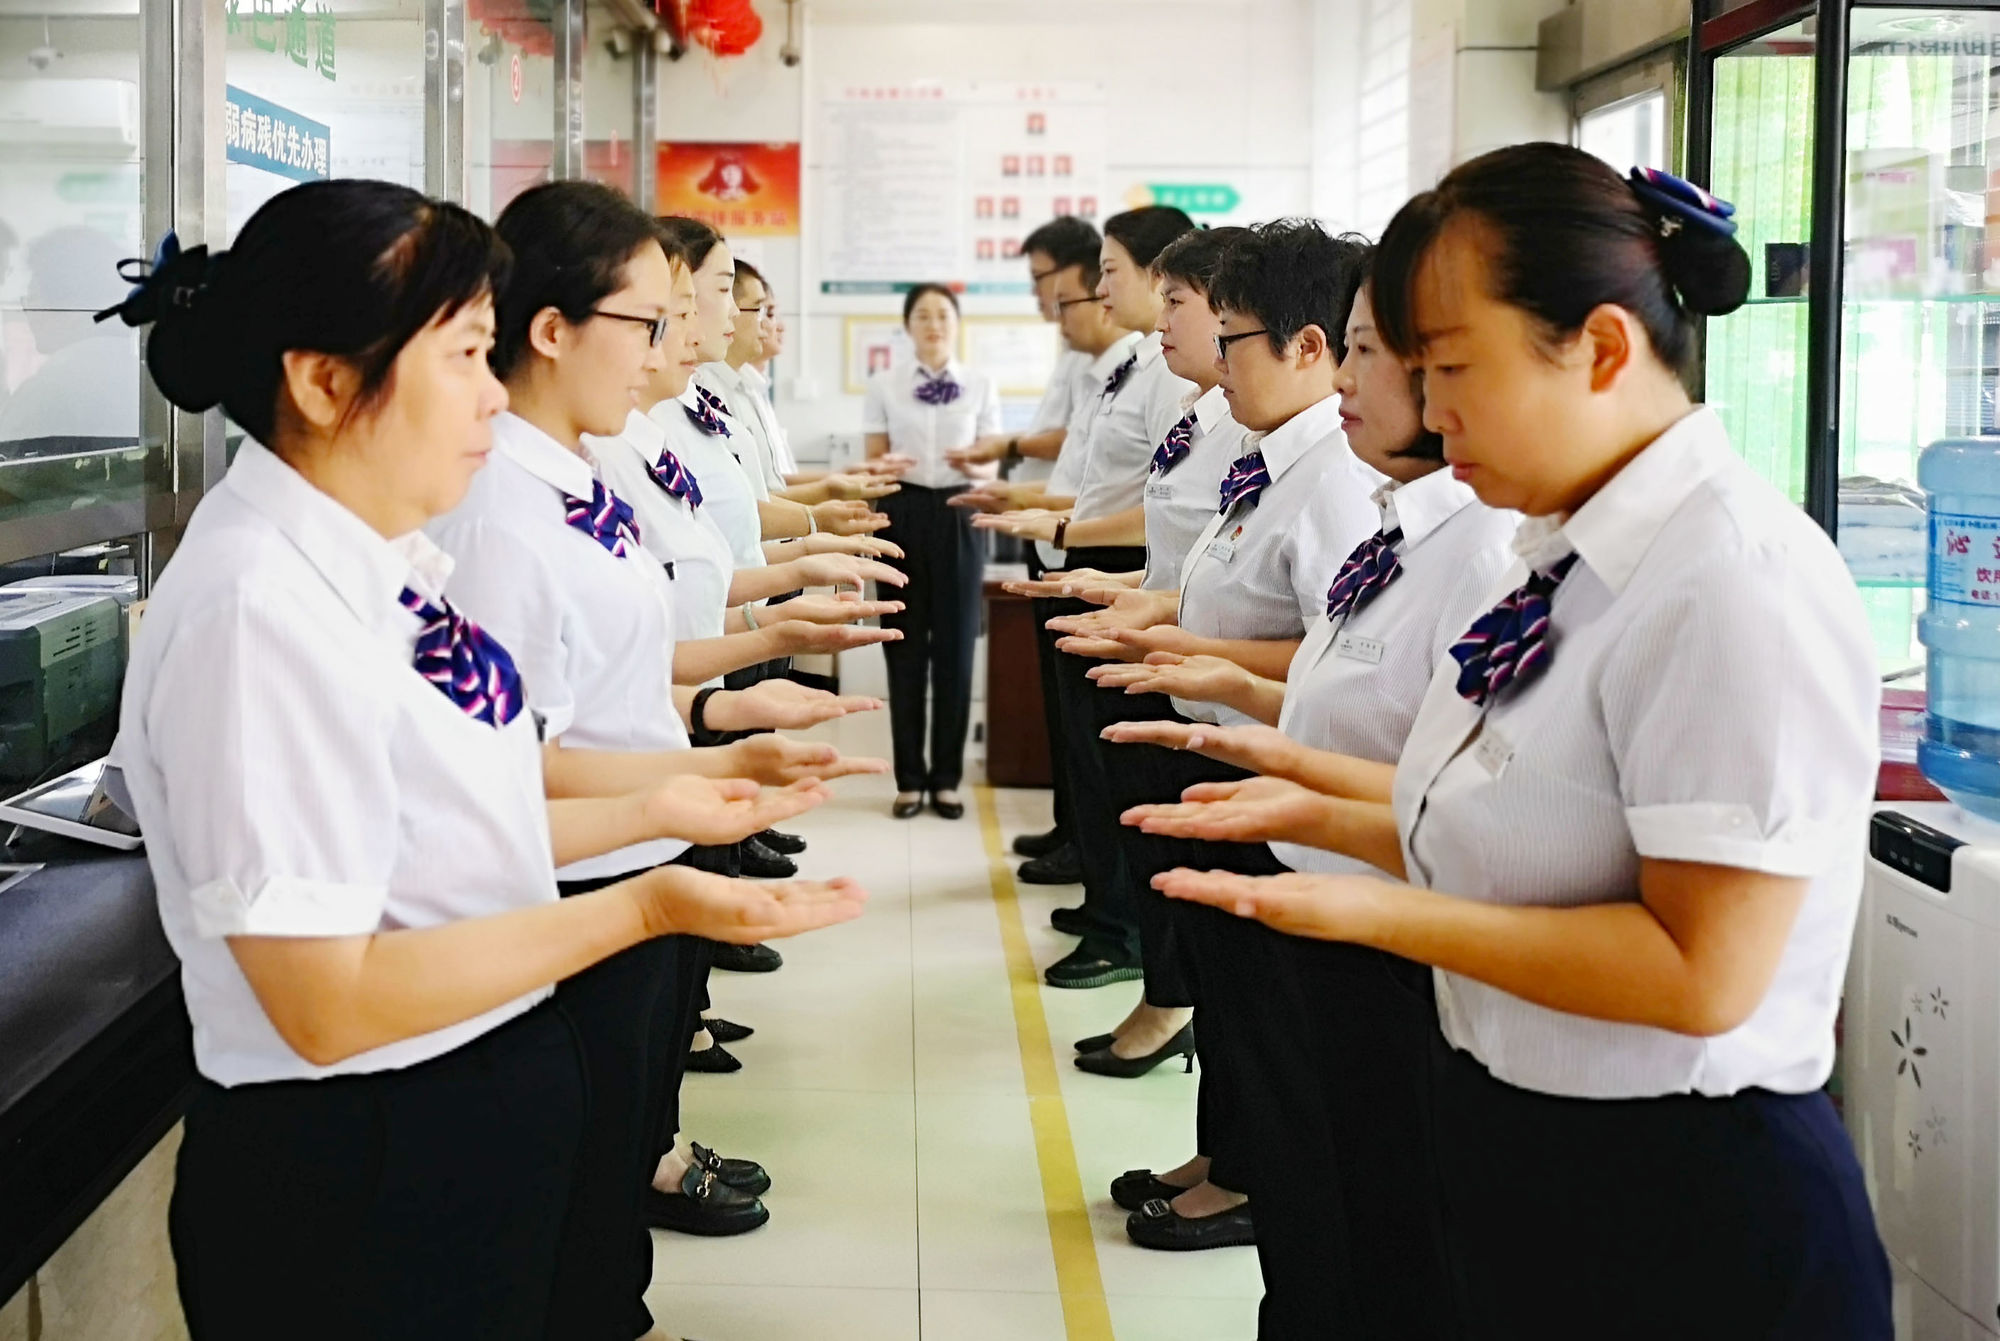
(1761, 159)
(70, 157)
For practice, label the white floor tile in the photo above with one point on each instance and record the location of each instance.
(884, 1090)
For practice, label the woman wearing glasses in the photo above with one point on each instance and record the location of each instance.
(923, 410)
(553, 560)
(1292, 507)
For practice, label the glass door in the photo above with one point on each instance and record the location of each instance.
(1760, 157)
(1920, 310)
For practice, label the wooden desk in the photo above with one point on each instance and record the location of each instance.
(1017, 737)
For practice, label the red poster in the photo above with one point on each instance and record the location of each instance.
(744, 190)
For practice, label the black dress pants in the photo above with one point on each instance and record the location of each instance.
(1340, 1122)
(1222, 957)
(621, 1009)
(945, 559)
(1129, 782)
(423, 1204)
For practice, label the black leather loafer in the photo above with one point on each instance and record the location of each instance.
(1132, 1189)
(760, 863)
(706, 1207)
(745, 1175)
(1039, 844)
(1098, 1043)
(907, 809)
(950, 810)
(1158, 1225)
(727, 1031)
(714, 1060)
(1105, 1062)
(1061, 867)
(746, 959)
(786, 844)
(1069, 921)
(1087, 966)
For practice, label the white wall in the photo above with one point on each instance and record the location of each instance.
(1199, 90)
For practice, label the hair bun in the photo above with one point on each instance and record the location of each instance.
(1710, 271)
(178, 294)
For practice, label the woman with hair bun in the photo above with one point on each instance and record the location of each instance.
(341, 786)
(1633, 804)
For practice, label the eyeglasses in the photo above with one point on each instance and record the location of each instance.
(1037, 276)
(656, 326)
(1222, 342)
(1066, 303)
(757, 310)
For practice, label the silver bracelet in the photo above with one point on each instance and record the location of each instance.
(749, 617)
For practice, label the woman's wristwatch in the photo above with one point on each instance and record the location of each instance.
(1062, 529)
(1014, 449)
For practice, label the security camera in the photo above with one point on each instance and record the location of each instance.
(789, 54)
(43, 57)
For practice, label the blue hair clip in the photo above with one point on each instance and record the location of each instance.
(171, 279)
(1679, 202)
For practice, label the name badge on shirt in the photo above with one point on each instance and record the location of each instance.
(1494, 751)
(1220, 550)
(1357, 648)
(1159, 487)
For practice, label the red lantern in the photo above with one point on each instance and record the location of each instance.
(524, 23)
(725, 27)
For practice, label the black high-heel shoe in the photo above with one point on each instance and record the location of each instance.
(1096, 1042)
(1105, 1062)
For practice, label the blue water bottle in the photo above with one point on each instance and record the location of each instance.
(1960, 628)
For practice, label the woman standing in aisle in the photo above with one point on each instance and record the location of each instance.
(1633, 803)
(924, 409)
(553, 560)
(362, 895)
(1339, 1035)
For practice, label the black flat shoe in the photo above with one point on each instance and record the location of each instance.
(1086, 966)
(1061, 867)
(706, 1207)
(745, 958)
(1105, 1062)
(785, 844)
(1131, 1190)
(1098, 1043)
(907, 809)
(950, 810)
(1069, 921)
(726, 1031)
(745, 1175)
(1158, 1225)
(1039, 844)
(714, 1060)
(760, 863)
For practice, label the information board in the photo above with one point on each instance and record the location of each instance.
(942, 181)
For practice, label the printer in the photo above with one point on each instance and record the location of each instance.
(61, 663)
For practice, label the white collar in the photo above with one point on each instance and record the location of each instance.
(640, 433)
(365, 570)
(1209, 407)
(1291, 440)
(1423, 505)
(571, 473)
(1121, 349)
(750, 377)
(1617, 525)
(1151, 348)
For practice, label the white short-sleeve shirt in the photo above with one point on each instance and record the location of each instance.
(687, 540)
(751, 440)
(1181, 500)
(1261, 570)
(1356, 683)
(1128, 426)
(1086, 409)
(927, 432)
(1711, 697)
(593, 634)
(759, 402)
(726, 488)
(1057, 404)
(295, 775)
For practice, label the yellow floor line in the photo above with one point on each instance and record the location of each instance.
(1086, 1315)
